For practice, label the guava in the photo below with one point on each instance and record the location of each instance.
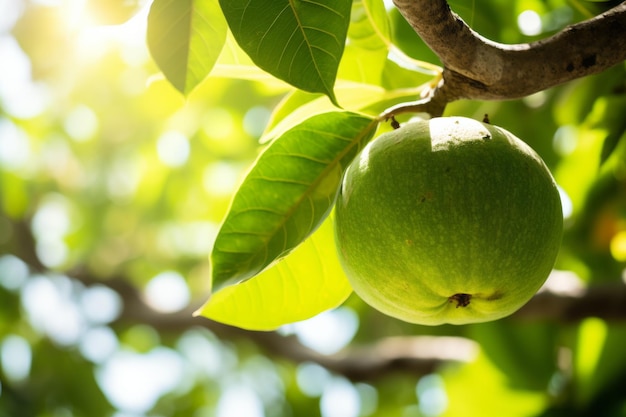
(448, 220)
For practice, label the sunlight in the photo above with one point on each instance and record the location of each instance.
(219, 124)
(52, 217)
(15, 358)
(77, 16)
(220, 178)
(206, 354)
(13, 272)
(431, 393)
(74, 14)
(50, 224)
(124, 176)
(167, 292)
(20, 96)
(566, 203)
(51, 309)
(239, 400)
(173, 148)
(134, 382)
(618, 246)
(11, 12)
(364, 159)
(98, 344)
(312, 378)
(263, 376)
(81, 123)
(189, 239)
(529, 23)
(255, 120)
(565, 283)
(369, 398)
(591, 342)
(94, 37)
(340, 399)
(565, 140)
(328, 332)
(100, 304)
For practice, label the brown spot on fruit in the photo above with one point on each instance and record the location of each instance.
(461, 299)
(427, 196)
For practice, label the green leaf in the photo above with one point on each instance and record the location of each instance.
(369, 28)
(365, 98)
(298, 41)
(299, 106)
(287, 193)
(234, 63)
(307, 282)
(185, 38)
(366, 52)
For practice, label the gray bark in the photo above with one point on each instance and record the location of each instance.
(480, 69)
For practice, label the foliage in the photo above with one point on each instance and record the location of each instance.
(119, 171)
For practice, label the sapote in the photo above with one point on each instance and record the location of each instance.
(448, 220)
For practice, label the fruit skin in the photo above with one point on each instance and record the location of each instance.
(448, 220)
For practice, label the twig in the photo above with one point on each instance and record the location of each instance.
(416, 355)
(478, 68)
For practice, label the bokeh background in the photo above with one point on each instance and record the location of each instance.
(112, 189)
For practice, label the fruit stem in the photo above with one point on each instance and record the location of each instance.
(462, 300)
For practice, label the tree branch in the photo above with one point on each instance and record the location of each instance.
(563, 299)
(418, 355)
(606, 301)
(478, 68)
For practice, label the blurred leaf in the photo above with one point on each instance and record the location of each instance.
(288, 192)
(578, 171)
(365, 55)
(64, 379)
(369, 28)
(112, 12)
(378, 20)
(185, 38)
(366, 58)
(591, 339)
(481, 389)
(234, 63)
(576, 99)
(613, 120)
(14, 198)
(406, 40)
(396, 76)
(305, 283)
(523, 351)
(598, 358)
(611, 142)
(362, 65)
(298, 42)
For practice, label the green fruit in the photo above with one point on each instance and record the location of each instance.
(448, 220)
